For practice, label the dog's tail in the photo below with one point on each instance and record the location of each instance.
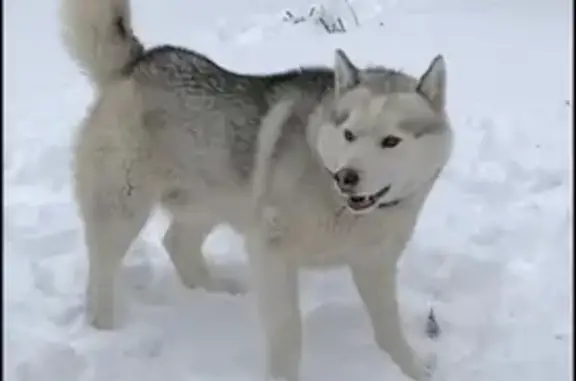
(98, 35)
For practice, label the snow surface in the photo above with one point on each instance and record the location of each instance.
(492, 253)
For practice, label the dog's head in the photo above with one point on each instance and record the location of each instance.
(382, 146)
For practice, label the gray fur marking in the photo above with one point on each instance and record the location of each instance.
(185, 74)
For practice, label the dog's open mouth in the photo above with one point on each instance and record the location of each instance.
(358, 203)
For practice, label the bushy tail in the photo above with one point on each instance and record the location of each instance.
(99, 36)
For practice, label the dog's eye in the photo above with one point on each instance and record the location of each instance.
(390, 141)
(349, 136)
(340, 117)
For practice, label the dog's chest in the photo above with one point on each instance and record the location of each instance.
(322, 236)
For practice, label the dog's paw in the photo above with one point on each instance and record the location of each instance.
(100, 322)
(418, 373)
(219, 286)
(98, 317)
(428, 368)
(415, 368)
(427, 374)
(226, 285)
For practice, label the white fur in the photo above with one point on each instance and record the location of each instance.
(292, 214)
(307, 232)
(406, 167)
(90, 31)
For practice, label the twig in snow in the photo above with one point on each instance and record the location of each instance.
(353, 12)
(432, 327)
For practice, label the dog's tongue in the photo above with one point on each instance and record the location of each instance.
(359, 203)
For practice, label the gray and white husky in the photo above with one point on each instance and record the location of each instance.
(316, 167)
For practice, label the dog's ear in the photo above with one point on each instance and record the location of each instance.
(432, 84)
(346, 75)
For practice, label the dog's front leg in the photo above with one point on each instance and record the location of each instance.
(376, 284)
(276, 286)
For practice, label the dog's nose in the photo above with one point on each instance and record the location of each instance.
(347, 179)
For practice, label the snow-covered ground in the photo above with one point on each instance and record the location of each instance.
(492, 252)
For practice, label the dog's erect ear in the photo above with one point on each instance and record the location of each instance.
(432, 84)
(346, 75)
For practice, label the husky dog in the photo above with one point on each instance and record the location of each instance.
(316, 166)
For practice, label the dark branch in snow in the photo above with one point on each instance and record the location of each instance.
(432, 327)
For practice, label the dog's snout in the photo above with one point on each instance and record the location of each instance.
(350, 178)
(347, 179)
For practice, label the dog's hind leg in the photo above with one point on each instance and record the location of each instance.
(183, 242)
(114, 188)
(114, 207)
(108, 238)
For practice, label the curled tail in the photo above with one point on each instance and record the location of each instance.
(99, 36)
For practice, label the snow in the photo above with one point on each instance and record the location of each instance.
(493, 249)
